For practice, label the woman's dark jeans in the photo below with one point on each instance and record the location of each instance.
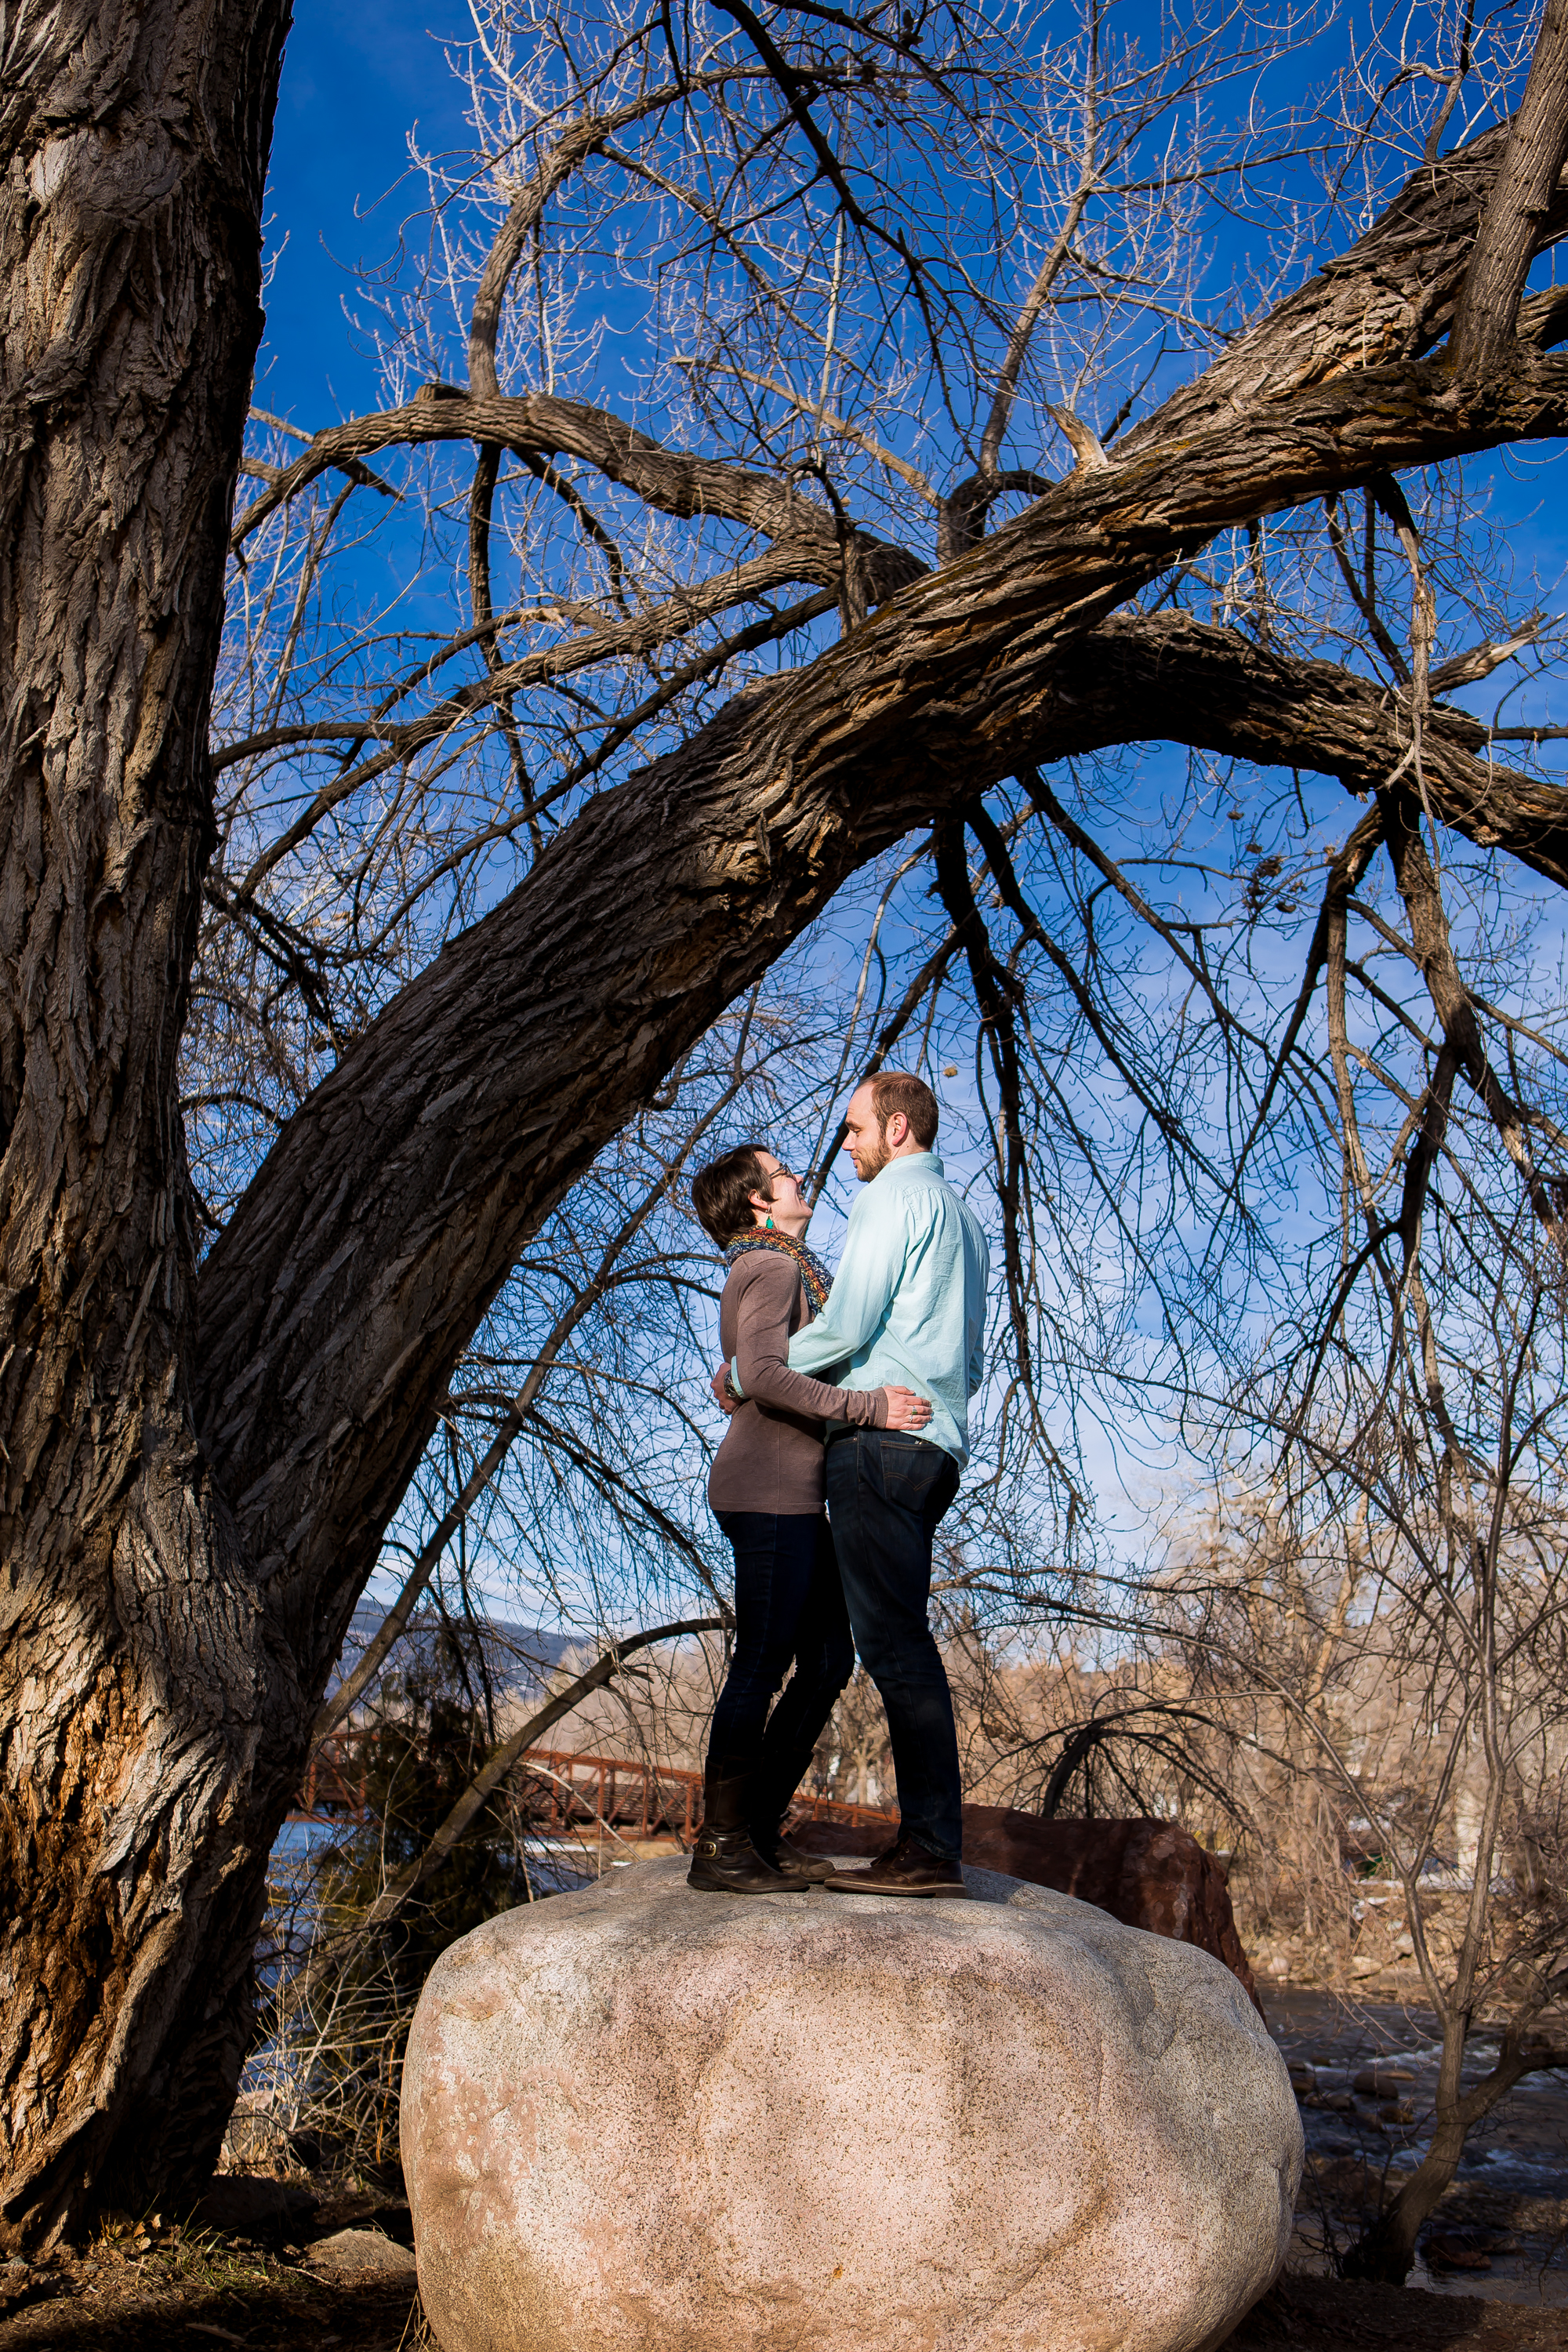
(789, 1603)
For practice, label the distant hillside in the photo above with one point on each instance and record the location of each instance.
(519, 1659)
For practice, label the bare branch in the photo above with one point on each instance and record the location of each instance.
(540, 426)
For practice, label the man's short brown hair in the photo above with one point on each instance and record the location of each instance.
(895, 1090)
(721, 1193)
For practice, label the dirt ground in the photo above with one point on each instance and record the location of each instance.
(252, 2276)
(272, 2310)
(1324, 2314)
(200, 2297)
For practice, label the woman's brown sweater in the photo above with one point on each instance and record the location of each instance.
(770, 1459)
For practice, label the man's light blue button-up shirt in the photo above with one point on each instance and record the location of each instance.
(908, 1304)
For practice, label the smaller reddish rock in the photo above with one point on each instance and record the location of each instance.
(1147, 1874)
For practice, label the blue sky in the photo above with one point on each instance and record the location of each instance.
(355, 80)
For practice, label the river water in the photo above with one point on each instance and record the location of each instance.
(1366, 2075)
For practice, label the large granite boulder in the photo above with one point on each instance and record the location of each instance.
(641, 2117)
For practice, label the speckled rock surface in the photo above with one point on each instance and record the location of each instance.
(640, 2116)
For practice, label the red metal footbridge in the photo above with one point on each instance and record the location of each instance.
(565, 1794)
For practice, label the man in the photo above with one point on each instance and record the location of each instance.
(907, 1306)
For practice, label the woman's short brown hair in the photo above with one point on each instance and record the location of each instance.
(721, 1193)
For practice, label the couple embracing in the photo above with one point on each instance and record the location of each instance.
(900, 1329)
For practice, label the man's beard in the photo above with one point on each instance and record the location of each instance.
(873, 1160)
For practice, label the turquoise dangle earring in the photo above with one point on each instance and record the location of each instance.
(769, 1226)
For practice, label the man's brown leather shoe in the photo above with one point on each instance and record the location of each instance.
(905, 1869)
(785, 1856)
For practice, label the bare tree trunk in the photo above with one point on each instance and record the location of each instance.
(136, 1664)
(1387, 2249)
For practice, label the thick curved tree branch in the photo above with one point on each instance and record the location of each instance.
(415, 1172)
(1223, 692)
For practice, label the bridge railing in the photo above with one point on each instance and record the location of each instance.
(566, 1790)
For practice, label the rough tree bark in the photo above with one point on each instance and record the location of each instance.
(1528, 173)
(138, 1662)
(173, 1607)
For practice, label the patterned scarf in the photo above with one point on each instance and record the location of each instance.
(816, 1280)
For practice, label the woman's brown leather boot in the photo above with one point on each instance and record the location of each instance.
(723, 1860)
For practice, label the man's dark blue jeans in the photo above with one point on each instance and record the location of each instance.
(886, 1492)
(789, 1603)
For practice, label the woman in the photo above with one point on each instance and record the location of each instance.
(766, 1492)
